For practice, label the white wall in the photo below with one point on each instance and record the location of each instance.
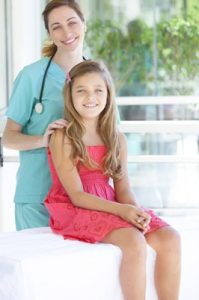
(3, 90)
(26, 32)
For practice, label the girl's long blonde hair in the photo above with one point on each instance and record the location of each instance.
(107, 124)
(49, 47)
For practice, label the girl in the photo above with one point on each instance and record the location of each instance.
(83, 205)
(27, 128)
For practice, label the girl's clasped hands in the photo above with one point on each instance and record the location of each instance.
(135, 215)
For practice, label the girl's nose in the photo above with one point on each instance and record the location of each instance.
(91, 96)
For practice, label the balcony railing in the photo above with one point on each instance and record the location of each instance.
(145, 126)
(150, 127)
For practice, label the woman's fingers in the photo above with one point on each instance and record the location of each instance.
(61, 122)
(57, 125)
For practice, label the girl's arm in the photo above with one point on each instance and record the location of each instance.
(14, 138)
(123, 191)
(67, 172)
(122, 186)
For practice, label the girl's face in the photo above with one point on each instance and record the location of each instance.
(89, 94)
(66, 29)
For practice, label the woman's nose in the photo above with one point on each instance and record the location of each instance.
(66, 30)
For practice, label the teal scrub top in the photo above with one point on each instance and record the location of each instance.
(33, 176)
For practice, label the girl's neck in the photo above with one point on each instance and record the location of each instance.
(91, 136)
(67, 60)
(91, 125)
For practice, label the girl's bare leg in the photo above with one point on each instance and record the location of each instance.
(166, 243)
(133, 266)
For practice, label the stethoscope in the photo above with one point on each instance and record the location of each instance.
(39, 107)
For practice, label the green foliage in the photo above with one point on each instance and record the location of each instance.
(178, 44)
(129, 55)
(126, 55)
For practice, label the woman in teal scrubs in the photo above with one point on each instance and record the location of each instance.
(29, 126)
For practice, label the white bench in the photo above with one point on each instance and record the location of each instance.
(36, 264)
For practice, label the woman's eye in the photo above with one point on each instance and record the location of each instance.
(100, 91)
(80, 91)
(56, 27)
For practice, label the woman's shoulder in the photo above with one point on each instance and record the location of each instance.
(35, 68)
(31, 74)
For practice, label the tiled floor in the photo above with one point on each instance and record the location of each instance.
(188, 226)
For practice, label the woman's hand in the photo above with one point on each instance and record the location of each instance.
(61, 123)
(135, 216)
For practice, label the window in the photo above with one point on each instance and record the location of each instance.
(151, 49)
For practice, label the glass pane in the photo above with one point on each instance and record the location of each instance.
(163, 185)
(144, 43)
(163, 144)
(160, 112)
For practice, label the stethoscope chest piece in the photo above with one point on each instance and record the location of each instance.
(39, 108)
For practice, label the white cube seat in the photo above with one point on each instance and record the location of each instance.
(36, 264)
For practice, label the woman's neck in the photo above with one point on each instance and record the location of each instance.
(67, 60)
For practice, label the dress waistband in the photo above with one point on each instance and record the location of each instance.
(94, 177)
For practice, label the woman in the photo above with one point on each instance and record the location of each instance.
(35, 104)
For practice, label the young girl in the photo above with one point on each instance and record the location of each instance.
(84, 206)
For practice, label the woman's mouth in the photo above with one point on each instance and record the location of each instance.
(69, 41)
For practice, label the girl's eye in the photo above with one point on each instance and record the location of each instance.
(72, 23)
(80, 91)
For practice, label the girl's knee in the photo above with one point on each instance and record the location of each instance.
(170, 240)
(174, 239)
(134, 242)
(171, 236)
(164, 240)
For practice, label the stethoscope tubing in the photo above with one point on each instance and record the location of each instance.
(39, 105)
(44, 78)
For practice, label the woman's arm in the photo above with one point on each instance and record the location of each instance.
(14, 138)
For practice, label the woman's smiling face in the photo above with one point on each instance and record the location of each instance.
(66, 29)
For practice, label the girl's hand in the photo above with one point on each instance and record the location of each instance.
(61, 123)
(135, 216)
